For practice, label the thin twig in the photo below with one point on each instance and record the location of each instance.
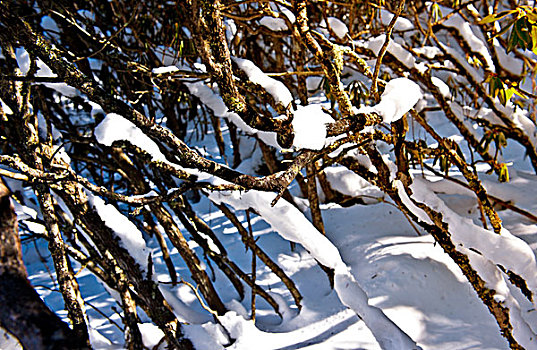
(252, 241)
(384, 48)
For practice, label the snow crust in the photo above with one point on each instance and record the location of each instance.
(309, 126)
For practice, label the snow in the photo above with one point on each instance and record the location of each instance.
(393, 288)
(402, 55)
(309, 126)
(296, 229)
(278, 24)
(475, 44)
(399, 96)
(214, 101)
(347, 182)
(129, 236)
(428, 51)
(509, 62)
(8, 341)
(115, 127)
(338, 27)
(521, 120)
(277, 89)
(23, 60)
(49, 24)
(521, 261)
(470, 238)
(401, 23)
(462, 61)
(164, 70)
(5, 108)
(275, 24)
(292, 225)
(409, 277)
(442, 87)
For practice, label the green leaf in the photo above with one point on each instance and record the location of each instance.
(503, 176)
(495, 16)
(509, 93)
(504, 29)
(523, 32)
(513, 40)
(495, 85)
(534, 38)
(444, 164)
(502, 97)
(500, 139)
(436, 13)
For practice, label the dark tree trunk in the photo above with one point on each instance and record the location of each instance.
(22, 312)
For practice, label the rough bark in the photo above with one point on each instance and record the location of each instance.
(22, 312)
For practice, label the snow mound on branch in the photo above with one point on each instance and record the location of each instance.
(338, 27)
(274, 24)
(129, 236)
(114, 127)
(214, 101)
(277, 24)
(164, 70)
(476, 44)
(400, 24)
(399, 96)
(309, 125)
(442, 87)
(399, 52)
(277, 89)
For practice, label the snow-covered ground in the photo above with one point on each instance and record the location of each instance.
(403, 273)
(414, 290)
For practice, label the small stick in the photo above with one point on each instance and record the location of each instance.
(251, 237)
(384, 48)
